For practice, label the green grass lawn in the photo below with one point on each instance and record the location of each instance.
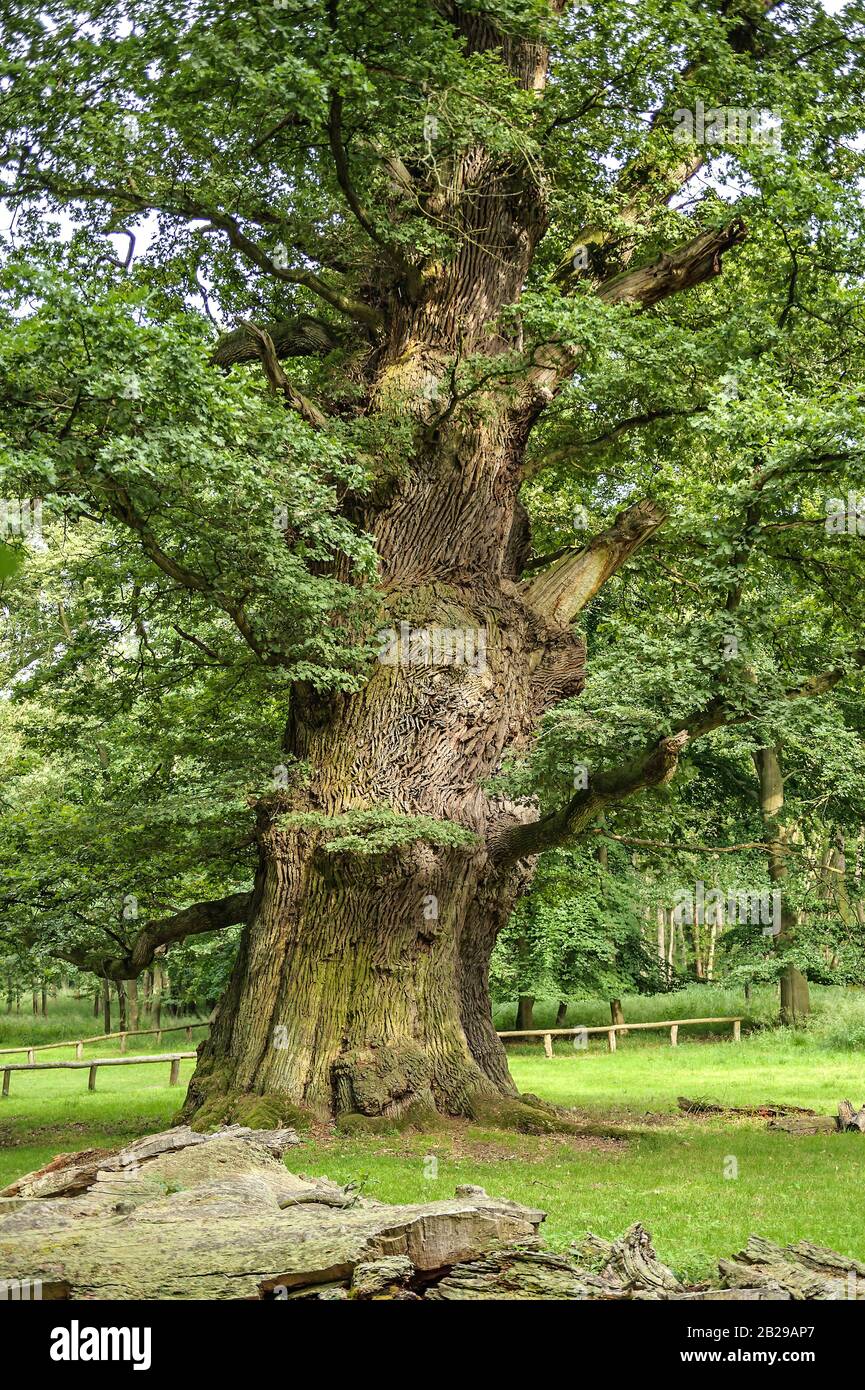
(671, 1173)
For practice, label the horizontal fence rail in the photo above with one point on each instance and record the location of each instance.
(80, 1043)
(611, 1029)
(174, 1058)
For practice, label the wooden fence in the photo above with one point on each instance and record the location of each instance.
(174, 1058)
(80, 1043)
(612, 1029)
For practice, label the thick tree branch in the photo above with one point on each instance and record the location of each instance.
(187, 209)
(688, 265)
(279, 382)
(304, 336)
(655, 766)
(568, 585)
(191, 921)
(656, 175)
(572, 820)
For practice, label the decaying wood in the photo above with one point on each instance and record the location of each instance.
(68, 1174)
(768, 1110)
(629, 1269)
(183, 1216)
(805, 1124)
(792, 1119)
(220, 1217)
(633, 1263)
(849, 1118)
(803, 1270)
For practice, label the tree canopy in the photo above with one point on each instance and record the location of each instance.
(216, 215)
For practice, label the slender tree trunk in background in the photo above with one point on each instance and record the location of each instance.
(147, 992)
(44, 1002)
(795, 1001)
(562, 1013)
(132, 994)
(106, 1006)
(97, 1000)
(525, 1012)
(35, 1000)
(858, 904)
(662, 940)
(156, 996)
(714, 928)
(698, 948)
(121, 1006)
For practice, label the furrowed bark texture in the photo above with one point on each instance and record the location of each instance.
(361, 983)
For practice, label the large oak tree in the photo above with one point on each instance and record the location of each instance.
(458, 261)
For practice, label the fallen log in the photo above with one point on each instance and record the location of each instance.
(805, 1124)
(224, 1219)
(220, 1217)
(791, 1119)
(630, 1269)
(68, 1174)
(805, 1271)
(768, 1110)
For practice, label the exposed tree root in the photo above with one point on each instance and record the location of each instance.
(244, 1108)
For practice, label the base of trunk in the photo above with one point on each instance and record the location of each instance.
(526, 1114)
(795, 999)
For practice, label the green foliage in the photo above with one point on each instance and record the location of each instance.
(150, 645)
(578, 931)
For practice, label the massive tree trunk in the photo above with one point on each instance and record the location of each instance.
(361, 981)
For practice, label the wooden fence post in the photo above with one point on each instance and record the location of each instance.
(30, 1055)
(548, 1045)
(91, 1079)
(189, 1033)
(674, 1035)
(175, 1072)
(79, 1051)
(611, 1040)
(6, 1079)
(122, 1042)
(737, 1030)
